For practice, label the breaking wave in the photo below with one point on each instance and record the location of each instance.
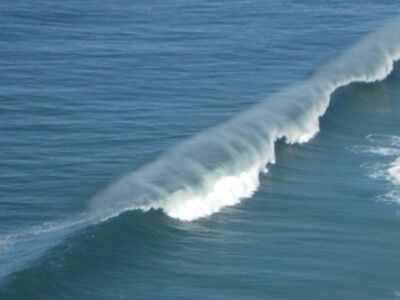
(222, 165)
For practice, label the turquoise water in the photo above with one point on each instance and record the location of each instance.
(134, 139)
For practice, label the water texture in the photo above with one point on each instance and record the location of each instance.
(202, 150)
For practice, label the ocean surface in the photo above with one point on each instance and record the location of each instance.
(200, 149)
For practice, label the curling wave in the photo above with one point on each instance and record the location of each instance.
(221, 166)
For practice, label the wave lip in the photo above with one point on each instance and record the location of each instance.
(221, 166)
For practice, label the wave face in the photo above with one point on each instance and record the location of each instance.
(222, 165)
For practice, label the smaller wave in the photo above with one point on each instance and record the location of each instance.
(385, 146)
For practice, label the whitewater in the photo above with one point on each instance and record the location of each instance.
(383, 146)
(222, 165)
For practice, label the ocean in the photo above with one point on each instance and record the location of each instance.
(200, 149)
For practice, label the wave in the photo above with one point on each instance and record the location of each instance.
(222, 165)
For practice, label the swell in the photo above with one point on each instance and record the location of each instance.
(222, 165)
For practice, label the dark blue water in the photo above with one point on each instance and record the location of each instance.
(99, 198)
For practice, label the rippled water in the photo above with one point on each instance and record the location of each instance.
(110, 190)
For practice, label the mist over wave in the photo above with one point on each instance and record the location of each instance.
(221, 166)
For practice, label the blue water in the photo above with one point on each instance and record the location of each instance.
(134, 136)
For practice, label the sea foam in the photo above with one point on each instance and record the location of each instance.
(388, 147)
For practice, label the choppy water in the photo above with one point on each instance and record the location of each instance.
(205, 150)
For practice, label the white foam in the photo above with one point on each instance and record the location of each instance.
(393, 171)
(227, 191)
(387, 146)
(5, 242)
(391, 196)
(384, 151)
(384, 140)
(389, 171)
